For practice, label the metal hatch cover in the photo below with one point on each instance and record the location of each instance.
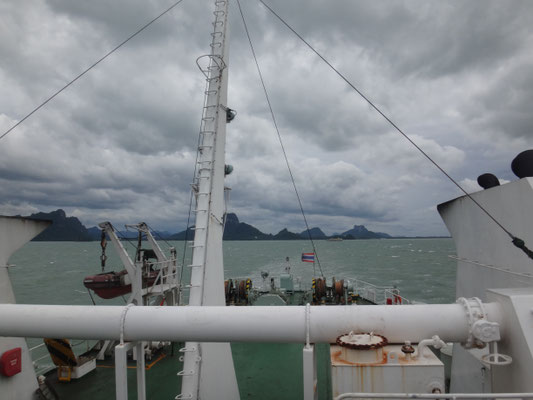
(362, 341)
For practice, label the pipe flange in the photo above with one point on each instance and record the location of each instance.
(475, 311)
(362, 341)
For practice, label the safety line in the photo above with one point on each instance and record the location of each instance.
(88, 69)
(279, 138)
(515, 240)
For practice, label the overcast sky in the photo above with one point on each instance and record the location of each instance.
(119, 145)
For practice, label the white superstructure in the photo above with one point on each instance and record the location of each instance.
(491, 325)
(14, 233)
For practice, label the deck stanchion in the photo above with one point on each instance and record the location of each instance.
(309, 373)
(121, 370)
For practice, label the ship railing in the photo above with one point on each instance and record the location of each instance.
(42, 363)
(393, 297)
(168, 272)
(451, 396)
(370, 292)
(260, 284)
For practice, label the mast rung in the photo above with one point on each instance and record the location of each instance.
(183, 396)
(216, 34)
(195, 266)
(215, 78)
(207, 132)
(196, 229)
(208, 92)
(215, 44)
(210, 106)
(205, 162)
(187, 349)
(218, 13)
(197, 211)
(202, 194)
(205, 146)
(183, 373)
(196, 245)
(208, 118)
(191, 286)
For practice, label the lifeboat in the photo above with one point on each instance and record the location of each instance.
(109, 285)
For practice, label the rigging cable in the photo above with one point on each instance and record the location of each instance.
(121, 236)
(279, 138)
(156, 233)
(89, 68)
(515, 240)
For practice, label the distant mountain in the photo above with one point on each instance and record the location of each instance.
(316, 233)
(63, 228)
(233, 230)
(184, 235)
(95, 233)
(284, 234)
(66, 228)
(236, 230)
(360, 232)
(128, 234)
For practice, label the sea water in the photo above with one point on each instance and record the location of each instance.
(53, 272)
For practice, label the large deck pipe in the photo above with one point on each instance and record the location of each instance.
(239, 324)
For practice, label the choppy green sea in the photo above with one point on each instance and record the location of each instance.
(52, 272)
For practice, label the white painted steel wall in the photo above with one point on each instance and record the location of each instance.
(489, 259)
(14, 233)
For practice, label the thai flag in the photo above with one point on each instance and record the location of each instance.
(308, 257)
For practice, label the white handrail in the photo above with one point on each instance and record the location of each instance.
(453, 396)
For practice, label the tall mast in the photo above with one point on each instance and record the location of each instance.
(208, 370)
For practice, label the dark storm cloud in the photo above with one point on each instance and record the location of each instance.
(120, 143)
(504, 106)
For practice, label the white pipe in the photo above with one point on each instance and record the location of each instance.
(435, 341)
(232, 324)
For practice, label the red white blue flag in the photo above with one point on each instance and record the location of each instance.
(308, 257)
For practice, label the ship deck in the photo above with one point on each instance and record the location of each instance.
(264, 371)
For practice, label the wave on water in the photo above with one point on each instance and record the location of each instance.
(413, 270)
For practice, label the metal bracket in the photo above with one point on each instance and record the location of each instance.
(482, 331)
(475, 311)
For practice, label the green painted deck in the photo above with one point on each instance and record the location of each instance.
(264, 371)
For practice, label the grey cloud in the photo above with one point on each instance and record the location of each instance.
(119, 144)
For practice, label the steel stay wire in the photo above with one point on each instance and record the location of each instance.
(89, 68)
(274, 121)
(515, 240)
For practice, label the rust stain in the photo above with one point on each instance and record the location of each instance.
(404, 360)
(337, 358)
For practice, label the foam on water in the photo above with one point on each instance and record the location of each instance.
(426, 274)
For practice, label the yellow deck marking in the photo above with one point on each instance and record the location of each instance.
(147, 367)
